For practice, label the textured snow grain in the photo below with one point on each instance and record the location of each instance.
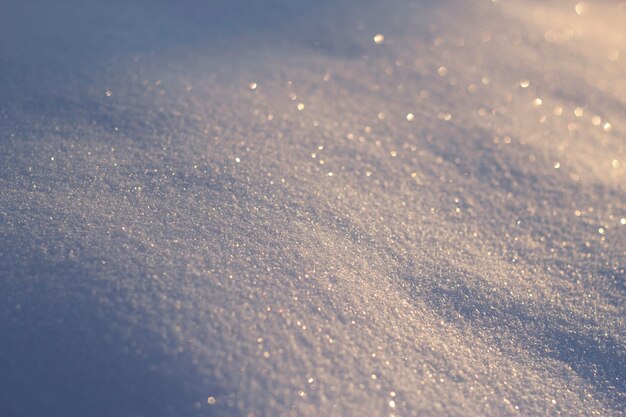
(297, 208)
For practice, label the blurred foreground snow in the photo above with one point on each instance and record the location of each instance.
(262, 208)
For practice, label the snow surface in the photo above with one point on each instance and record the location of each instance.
(222, 208)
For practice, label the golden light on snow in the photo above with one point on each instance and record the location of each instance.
(580, 8)
(504, 182)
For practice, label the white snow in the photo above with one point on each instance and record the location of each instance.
(294, 208)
